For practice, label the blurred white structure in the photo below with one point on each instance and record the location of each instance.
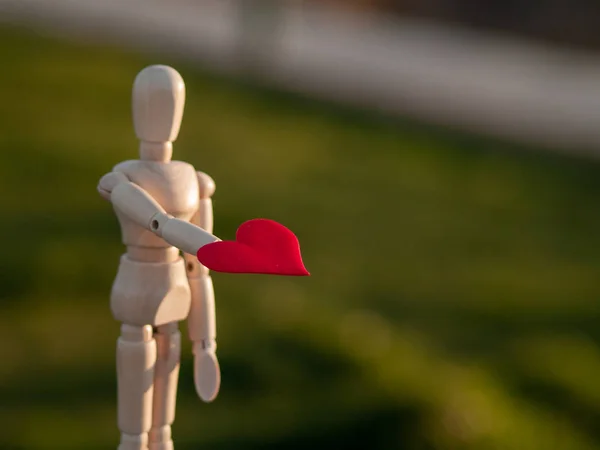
(478, 82)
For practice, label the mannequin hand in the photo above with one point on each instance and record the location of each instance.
(207, 374)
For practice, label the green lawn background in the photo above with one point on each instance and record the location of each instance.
(453, 302)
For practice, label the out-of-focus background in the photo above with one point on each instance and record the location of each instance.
(437, 160)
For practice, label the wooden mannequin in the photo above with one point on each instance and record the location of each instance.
(163, 206)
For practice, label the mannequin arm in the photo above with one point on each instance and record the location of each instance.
(134, 202)
(202, 326)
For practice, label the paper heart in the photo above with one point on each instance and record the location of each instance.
(261, 246)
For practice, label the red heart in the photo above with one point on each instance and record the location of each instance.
(261, 246)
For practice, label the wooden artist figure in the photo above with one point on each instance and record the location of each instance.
(165, 212)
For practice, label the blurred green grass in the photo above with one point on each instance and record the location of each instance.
(453, 302)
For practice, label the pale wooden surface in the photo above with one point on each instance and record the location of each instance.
(202, 322)
(158, 103)
(162, 206)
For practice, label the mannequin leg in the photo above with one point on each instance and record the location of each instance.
(166, 375)
(136, 358)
